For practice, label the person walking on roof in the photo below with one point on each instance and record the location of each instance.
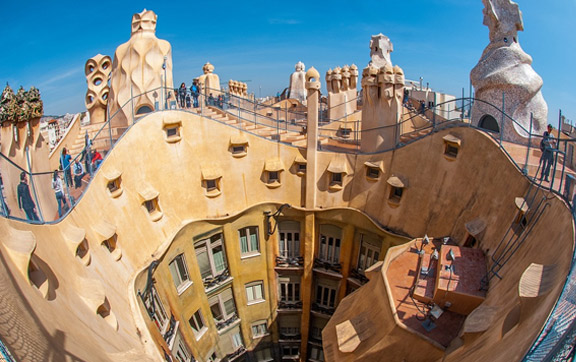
(25, 199)
(547, 146)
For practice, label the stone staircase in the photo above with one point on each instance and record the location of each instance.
(286, 136)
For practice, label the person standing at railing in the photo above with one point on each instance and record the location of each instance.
(78, 173)
(96, 160)
(195, 92)
(58, 191)
(65, 160)
(5, 209)
(182, 95)
(547, 146)
(25, 199)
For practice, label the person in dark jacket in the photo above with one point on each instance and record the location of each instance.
(25, 199)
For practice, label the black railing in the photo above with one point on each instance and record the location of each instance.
(225, 323)
(290, 337)
(289, 305)
(316, 307)
(212, 281)
(358, 275)
(237, 353)
(327, 265)
(289, 262)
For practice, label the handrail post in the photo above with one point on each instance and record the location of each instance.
(503, 113)
(525, 168)
(32, 185)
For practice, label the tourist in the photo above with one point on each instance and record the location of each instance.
(547, 146)
(182, 94)
(195, 92)
(422, 107)
(5, 209)
(96, 160)
(65, 160)
(25, 199)
(58, 191)
(211, 100)
(78, 174)
(220, 101)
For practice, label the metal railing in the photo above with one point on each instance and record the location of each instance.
(284, 125)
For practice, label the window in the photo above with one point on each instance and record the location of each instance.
(325, 296)
(289, 326)
(111, 244)
(290, 350)
(179, 272)
(114, 185)
(289, 241)
(396, 193)
(156, 310)
(316, 353)
(273, 177)
(223, 308)
(197, 324)
(212, 357)
(317, 325)
(211, 185)
(451, 146)
(255, 292)
(336, 179)
(289, 289)
(172, 130)
(263, 355)
(369, 253)
(301, 168)
(237, 341)
(238, 149)
(330, 244)
(259, 329)
(372, 172)
(249, 244)
(82, 252)
(153, 208)
(179, 349)
(211, 257)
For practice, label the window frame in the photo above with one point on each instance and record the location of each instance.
(289, 248)
(178, 345)
(364, 258)
(208, 245)
(260, 284)
(199, 327)
(261, 328)
(183, 282)
(249, 231)
(221, 302)
(326, 293)
(289, 290)
(327, 252)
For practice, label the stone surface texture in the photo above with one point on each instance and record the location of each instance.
(342, 93)
(138, 69)
(505, 68)
(380, 49)
(97, 70)
(209, 82)
(383, 90)
(297, 83)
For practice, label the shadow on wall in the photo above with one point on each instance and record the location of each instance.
(21, 329)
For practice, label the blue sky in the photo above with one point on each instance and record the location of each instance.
(46, 44)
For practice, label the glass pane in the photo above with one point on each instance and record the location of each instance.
(319, 294)
(243, 244)
(283, 292)
(250, 293)
(258, 291)
(254, 242)
(297, 291)
(175, 274)
(290, 292)
(182, 267)
(237, 340)
(203, 263)
(281, 245)
(218, 254)
(229, 307)
(325, 296)
(332, 297)
(216, 312)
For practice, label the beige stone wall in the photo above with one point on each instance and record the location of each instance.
(440, 196)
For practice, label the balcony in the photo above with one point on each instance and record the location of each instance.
(221, 325)
(289, 337)
(294, 263)
(286, 306)
(357, 277)
(212, 282)
(328, 268)
(237, 353)
(322, 310)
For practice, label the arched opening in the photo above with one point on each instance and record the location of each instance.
(143, 110)
(489, 123)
